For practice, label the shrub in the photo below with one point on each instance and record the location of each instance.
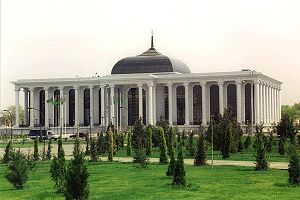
(179, 172)
(247, 142)
(87, 147)
(111, 145)
(261, 161)
(48, 155)
(76, 186)
(149, 141)
(170, 171)
(101, 144)
(281, 149)
(36, 149)
(269, 145)
(163, 147)
(18, 170)
(241, 145)
(129, 147)
(200, 158)
(76, 149)
(294, 168)
(7, 154)
(58, 172)
(60, 150)
(94, 153)
(191, 148)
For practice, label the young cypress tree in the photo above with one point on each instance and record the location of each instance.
(8, 153)
(58, 173)
(48, 155)
(170, 171)
(149, 141)
(163, 147)
(281, 149)
(269, 146)
(76, 185)
(111, 145)
(76, 149)
(87, 147)
(294, 168)
(200, 158)
(191, 145)
(101, 144)
(60, 149)
(139, 140)
(129, 146)
(36, 149)
(261, 160)
(94, 153)
(247, 142)
(241, 145)
(179, 172)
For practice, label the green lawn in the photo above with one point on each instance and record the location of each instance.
(124, 181)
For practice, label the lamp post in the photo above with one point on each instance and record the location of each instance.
(41, 119)
(11, 123)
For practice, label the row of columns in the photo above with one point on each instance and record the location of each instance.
(266, 102)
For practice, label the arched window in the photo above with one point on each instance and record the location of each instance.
(248, 112)
(42, 107)
(56, 109)
(86, 107)
(214, 100)
(71, 107)
(197, 104)
(180, 95)
(231, 98)
(166, 97)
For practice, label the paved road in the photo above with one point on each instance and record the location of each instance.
(69, 149)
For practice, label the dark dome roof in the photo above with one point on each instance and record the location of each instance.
(150, 61)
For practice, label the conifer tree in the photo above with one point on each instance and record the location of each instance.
(139, 140)
(36, 149)
(94, 153)
(200, 158)
(101, 144)
(247, 142)
(76, 149)
(170, 171)
(48, 155)
(191, 145)
(87, 147)
(60, 149)
(58, 172)
(294, 168)
(129, 146)
(179, 172)
(149, 141)
(261, 160)
(8, 153)
(76, 184)
(163, 147)
(111, 145)
(241, 145)
(269, 146)
(281, 149)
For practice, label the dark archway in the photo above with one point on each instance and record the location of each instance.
(232, 98)
(166, 98)
(214, 100)
(248, 113)
(42, 107)
(180, 95)
(86, 107)
(133, 106)
(71, 107)
(197, 105)
(56, 109)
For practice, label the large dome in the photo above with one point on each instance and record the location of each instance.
(150, 61)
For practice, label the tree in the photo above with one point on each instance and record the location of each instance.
(286, 128)
(110, 145)
(149, 141)
(163, 147)
(7, 154)
(241, 145)
(58, 172)
(129, 147)
(261, 160)
(6, 119)
(60, 149)
(139, 141)
(200, 158)
(294, 168)
(170, 171)
(179, 172)
(281, 149)
(87, 147)
(36, 149)
(48, 155)
(18, 170)
(94, 153)
(101, 144)
(270, 142)
(191, 145)
(77, 179)
(76, 149)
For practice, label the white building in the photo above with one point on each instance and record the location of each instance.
(150, 86)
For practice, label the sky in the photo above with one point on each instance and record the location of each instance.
(68, 38)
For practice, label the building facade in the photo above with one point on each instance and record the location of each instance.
(149, 86)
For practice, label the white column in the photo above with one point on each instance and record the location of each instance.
(275, 104)
(25, 106)
(203, 96)
(170, 103)
(265, 103)
(268, 105)
(46, 107)
(221, 96)
(17, 123)
(31, 106)
(150, 108)
(239, 100)
(260, 116)
(256, 102)
(263, 106)
(76, 89)
(140, 86)
(279, 102)
(102, 120)
(154, 104)
(91, 88)
(112, 104)
(187, 104)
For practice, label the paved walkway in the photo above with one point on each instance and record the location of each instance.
(273, 165)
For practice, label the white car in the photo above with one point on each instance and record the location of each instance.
(55, 136)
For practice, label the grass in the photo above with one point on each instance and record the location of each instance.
(124, 181)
